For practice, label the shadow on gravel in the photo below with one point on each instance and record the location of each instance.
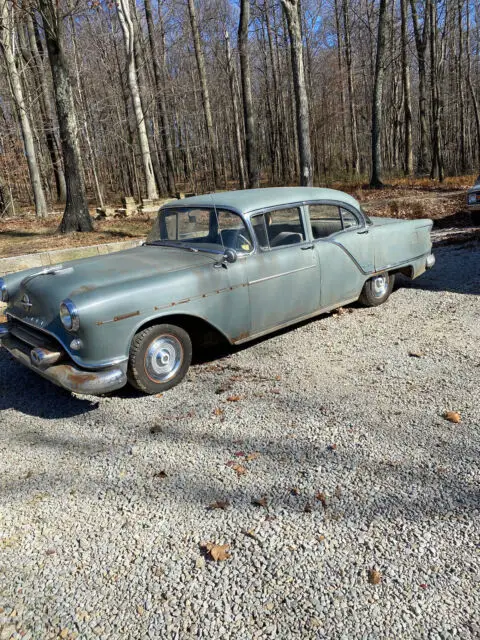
(28, 393)
(457, 270)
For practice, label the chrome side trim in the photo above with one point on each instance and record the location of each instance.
(285, 273)
(277, 327)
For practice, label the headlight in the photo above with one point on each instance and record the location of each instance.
(3, 290)
(69, 315)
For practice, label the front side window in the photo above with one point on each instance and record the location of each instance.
(203, 228)
(279, 228)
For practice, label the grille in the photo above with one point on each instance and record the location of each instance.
(31, 336)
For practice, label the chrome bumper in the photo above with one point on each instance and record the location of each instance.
(66, 374)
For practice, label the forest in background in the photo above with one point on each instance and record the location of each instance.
(99, 100)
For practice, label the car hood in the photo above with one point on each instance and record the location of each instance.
(46, 288)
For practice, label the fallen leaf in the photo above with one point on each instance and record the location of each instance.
(338, 491)
(250, 533)
(239, 469)
(218, 504)
(140, 610)
(308, 508)
(295, 491)
(332, 447)
(320, 538)
(157, 428)
(278, 378)
(218, 411)
(415, 354)
(321, 497)
(50, 552)
(223, 389)
(159, 395)
(160, 474)
(276, 391)
(239, 454)
(234, 398)
(374, 576)
(252, 456)
(452, 416)
(270, 518)
(217, 552)
(423, 585)
(260, 502)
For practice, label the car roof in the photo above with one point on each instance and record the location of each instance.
(249, 200)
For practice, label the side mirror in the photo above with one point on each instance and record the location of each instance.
(230, 256)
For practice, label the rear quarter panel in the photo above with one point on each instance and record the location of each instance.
(399, 242)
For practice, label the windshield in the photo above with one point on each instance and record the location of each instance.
(205, 228)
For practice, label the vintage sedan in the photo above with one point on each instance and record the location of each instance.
(473, 201)
(234, 265)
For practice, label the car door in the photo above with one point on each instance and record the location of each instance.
(283, 274)
(342, 243)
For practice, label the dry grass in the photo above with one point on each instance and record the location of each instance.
(30, 235)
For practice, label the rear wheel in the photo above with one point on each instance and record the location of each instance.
(376, 290)
(159, 358)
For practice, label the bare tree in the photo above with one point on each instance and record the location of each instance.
(236, 119)
(248, 113)
(407, 97)
(291, 9)
(204, 89)
(125, 18)
(76, 216)
(8, 47)
(377, 102)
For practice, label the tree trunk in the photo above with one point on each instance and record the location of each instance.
(236, 118)
(76, 216)
(7, 44)
(291, 10)
(421, 46)
(351, 97)
(160, 90)
(248, 114)
(204, 89)
(407, 95)
(53, 144)
(126, 23)
(437, 163)
(471, 89)
(377, 102)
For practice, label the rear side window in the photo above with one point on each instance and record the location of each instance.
(325, 220)
(279, 228)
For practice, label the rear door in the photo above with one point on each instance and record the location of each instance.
(344, 250)
(283, 274)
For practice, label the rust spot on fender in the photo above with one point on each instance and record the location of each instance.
(83, 289)
(126, 315)
(242, 336)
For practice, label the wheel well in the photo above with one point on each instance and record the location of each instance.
(406, 271)
(201, 332)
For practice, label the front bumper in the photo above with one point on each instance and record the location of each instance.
(65, 374)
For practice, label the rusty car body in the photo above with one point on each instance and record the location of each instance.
(236, 265)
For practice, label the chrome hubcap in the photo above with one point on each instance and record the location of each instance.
(163, 358)
(380, 286)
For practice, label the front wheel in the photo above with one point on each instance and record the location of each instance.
(159, 358)
(376, 290)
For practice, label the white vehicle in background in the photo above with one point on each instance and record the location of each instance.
(473, 201)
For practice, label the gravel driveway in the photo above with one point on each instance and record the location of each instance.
(338, 432)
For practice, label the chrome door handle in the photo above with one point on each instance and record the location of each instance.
(306, 247)
(360, 233)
